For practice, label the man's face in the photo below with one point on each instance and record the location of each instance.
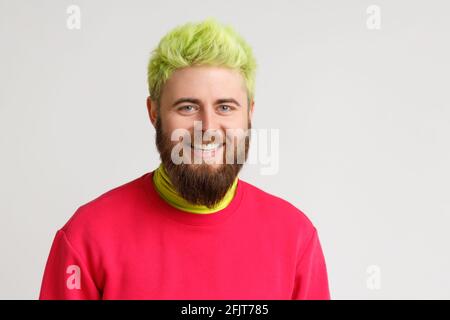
(217, 98)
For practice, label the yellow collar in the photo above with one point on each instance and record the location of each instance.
(167, 191)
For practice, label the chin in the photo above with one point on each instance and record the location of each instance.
(204, 165)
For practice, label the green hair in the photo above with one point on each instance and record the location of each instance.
(204, 43)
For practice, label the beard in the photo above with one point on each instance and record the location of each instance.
(201, 184)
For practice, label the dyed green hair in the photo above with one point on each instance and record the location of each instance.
(204, 43)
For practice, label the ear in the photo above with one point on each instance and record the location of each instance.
(252, 107)
(151, 108)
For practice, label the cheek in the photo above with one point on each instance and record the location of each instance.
(238, 120)
(172, 123)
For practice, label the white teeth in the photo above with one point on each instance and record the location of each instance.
(209, 146)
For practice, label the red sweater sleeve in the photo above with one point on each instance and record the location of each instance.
(311, 281)
(66, 276)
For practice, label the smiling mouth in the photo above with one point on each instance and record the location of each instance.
(207, 147)
(206, 151)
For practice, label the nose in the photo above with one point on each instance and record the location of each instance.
(210, 122)
(209, 119)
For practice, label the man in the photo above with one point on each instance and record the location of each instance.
(191, 229)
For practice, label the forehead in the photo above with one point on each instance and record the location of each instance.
(205, 82)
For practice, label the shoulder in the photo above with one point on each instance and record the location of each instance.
(105, 211)
(278, 211)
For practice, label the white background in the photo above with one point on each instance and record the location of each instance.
(363, 116)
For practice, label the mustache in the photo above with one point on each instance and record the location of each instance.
(205, 138)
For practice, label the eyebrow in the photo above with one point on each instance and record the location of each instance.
(197, 101)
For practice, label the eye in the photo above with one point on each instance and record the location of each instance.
(187, 108)
(224, 108)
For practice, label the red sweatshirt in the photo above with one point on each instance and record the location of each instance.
(129, 243)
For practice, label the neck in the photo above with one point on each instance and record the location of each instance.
(167, 191)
